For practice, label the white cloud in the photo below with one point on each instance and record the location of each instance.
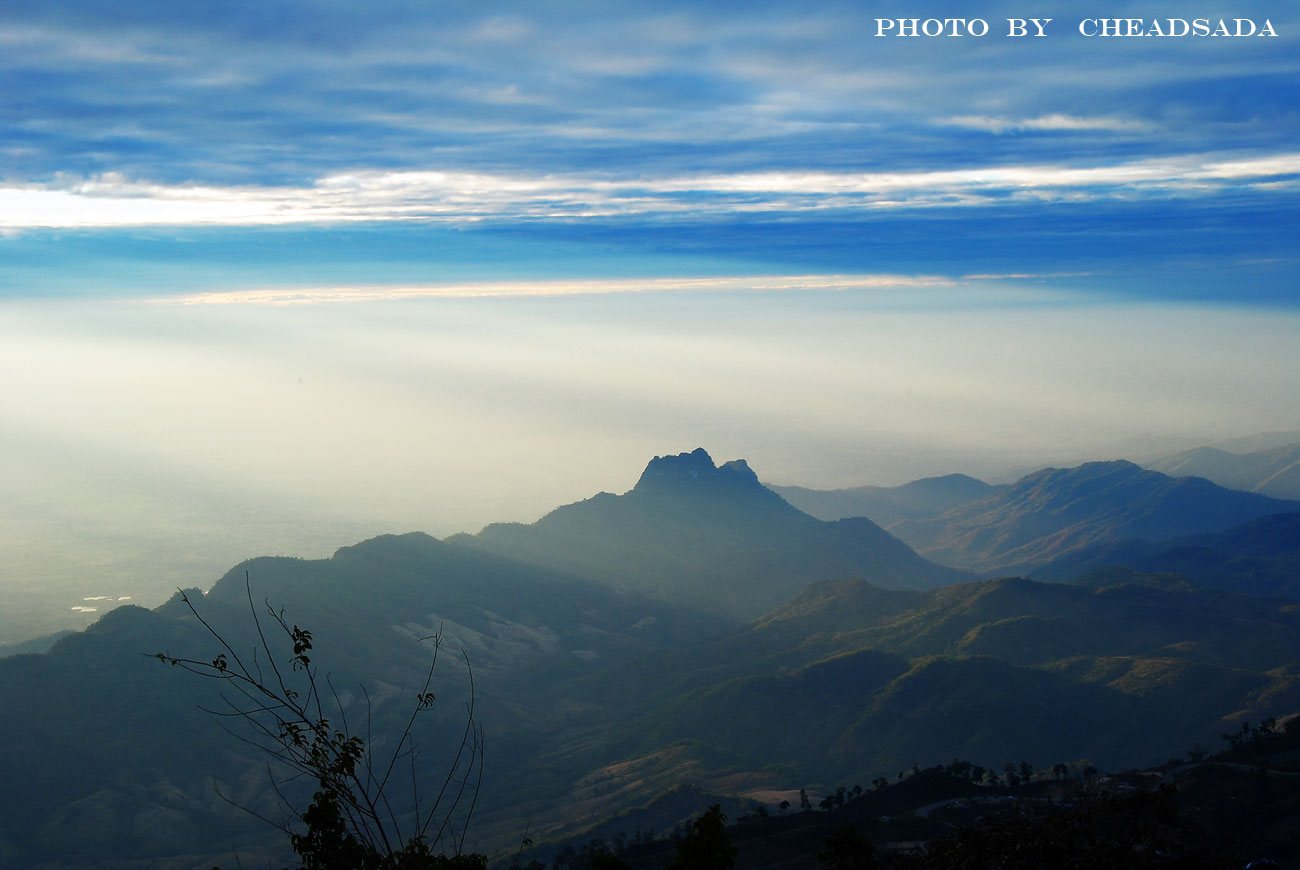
(372, 195)
(1054, 121)
(485, 289)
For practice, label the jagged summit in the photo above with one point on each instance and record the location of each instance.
(695, 466)
(707, 536)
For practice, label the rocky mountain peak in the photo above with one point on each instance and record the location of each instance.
(696, 466)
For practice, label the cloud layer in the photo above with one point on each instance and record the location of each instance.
(298, 92)
(720, 137)
(372, 195)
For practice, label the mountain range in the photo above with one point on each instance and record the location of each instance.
(851, 677)
(1260, 557)
(886, 505)
(1054, 513)
(696, 629)
(1272, 471)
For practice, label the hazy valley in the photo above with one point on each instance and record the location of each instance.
(700, 631)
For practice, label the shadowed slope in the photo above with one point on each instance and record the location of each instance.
(1261, 557)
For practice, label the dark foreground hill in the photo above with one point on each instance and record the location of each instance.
(117, 762)
(708, 536)
(1217, 812)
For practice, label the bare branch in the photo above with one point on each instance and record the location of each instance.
(288, 715)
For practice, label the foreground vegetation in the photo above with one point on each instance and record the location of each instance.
(1195, 810)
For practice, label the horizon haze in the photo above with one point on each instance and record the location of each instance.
(273, 281)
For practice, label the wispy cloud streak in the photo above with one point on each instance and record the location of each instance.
(372, 195)
(1058, 122)
(493, 289)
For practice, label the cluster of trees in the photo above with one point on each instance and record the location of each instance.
(836, 799)
(1249, 740)
(1014, 775)
(1139, 830)
(1096, 830)
(1268, 736)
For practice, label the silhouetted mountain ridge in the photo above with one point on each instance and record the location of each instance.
(708, 536)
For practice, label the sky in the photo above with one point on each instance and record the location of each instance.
(278, 276)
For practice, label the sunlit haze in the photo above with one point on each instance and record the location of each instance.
(272, 289)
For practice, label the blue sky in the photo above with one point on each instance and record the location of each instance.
(699, 137)
(278, 276)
